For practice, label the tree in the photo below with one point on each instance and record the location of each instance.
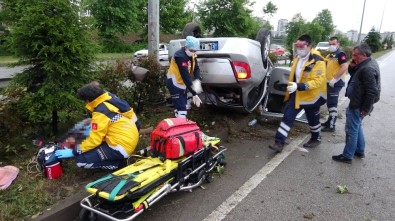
(373, 39)
(51, 39)
(315, 30)
(113, 17)
(324, 18)
(295, 28)
(270, 9)
(388, 41)
(227, 17)
(170, 23)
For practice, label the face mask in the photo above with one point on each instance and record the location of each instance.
(301, 53)
(189, 53)
(332, 48)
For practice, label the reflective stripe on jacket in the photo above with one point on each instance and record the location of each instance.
(312, 77)
(111, 126)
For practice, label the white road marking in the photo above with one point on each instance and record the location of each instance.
(231, 202)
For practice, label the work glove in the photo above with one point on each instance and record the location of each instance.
(292, 87)
(333, 82)
(65, 153)
(196, 100)
(197, 86)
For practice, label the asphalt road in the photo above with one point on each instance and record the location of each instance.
(296, 185)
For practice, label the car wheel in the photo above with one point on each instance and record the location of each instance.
(192, 29)
(263, 37)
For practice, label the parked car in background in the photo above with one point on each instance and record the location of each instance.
(278, 50)
(324, 46)
(163, 52)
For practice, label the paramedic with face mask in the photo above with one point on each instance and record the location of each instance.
(306, 90)
(183, 76)
(336, 69)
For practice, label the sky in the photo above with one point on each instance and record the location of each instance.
(346, 14)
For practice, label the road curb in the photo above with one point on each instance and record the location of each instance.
(65, 210)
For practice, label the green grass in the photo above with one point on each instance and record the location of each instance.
(113, 56)
(380, 53)
(6, 60)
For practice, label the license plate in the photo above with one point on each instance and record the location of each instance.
(209, 46)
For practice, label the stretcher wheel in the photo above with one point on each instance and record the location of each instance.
(86, 215)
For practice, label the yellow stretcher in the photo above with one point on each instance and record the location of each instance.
(126, 193)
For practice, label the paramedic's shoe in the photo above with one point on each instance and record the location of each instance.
(277, 147)
(326, 123)
(312, 143)
(341, 158)
(328, 129)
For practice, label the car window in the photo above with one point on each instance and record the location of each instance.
(323, 44)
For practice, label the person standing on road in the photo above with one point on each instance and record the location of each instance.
(306, 90)
(183, 66)
(336, 68)
(363, 90)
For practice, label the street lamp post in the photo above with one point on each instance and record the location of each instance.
(360, 28)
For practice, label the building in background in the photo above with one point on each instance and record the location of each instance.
(352, 35)
(282, 27)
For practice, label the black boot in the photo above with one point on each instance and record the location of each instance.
(326, 123)
(277, 147)
(330, 127)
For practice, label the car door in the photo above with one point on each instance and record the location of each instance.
(273, 104)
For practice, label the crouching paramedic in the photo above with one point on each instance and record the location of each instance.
(306, 90)
(113, 136)
(179, 77)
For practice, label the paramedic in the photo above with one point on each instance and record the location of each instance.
(306, 90)
(336, 69)
(113, 136)
(183, 69)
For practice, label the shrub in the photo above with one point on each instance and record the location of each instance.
(273, 58)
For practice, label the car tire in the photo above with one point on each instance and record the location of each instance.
(264, 37)
(192, 29)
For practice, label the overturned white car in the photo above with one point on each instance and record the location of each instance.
(238, 74)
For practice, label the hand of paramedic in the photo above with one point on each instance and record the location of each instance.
(65, 153)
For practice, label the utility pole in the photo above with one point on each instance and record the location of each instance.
(360, 28)
(382, 16)
(153, 27)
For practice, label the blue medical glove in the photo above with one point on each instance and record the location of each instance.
(65, 153)
(87, 130)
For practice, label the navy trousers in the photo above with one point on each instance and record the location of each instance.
(313, 117)
(103, 157)
(179, 98)
(333, 97)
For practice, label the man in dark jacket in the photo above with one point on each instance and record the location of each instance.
(363, 90)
